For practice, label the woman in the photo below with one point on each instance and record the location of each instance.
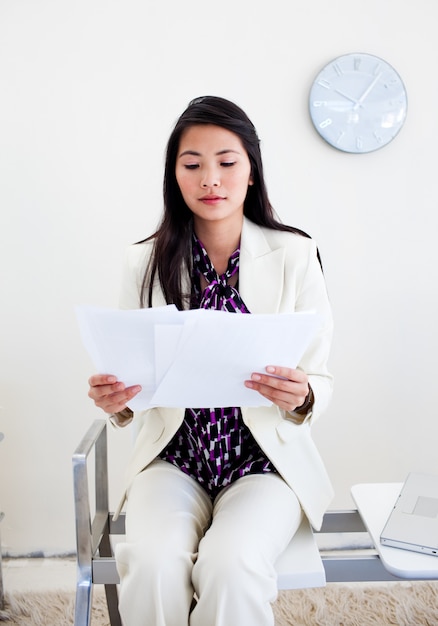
(214, 495)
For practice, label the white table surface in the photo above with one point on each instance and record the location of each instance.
(374, 502)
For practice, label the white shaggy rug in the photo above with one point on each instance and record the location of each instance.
(401, 604)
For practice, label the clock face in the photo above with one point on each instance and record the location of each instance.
(358, 103)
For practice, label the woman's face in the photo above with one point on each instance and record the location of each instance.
(213, 172)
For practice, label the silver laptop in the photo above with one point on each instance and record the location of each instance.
(413, 522)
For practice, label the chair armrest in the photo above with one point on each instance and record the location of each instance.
(89, 530)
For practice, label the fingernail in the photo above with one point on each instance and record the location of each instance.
(256, 377)
(270, 369)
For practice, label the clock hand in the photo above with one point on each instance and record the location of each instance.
(346, 96)
(367, 91)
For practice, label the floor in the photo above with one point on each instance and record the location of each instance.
(39, 574)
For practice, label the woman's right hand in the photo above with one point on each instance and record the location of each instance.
(109, 394)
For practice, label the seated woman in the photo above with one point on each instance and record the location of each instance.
(215, 494)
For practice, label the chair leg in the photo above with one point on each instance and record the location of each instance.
(112, 600)
(111, 591)
(84, 594)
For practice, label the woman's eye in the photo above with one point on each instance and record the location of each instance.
(228, 163)
(191, 166)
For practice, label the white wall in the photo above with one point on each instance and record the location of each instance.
(89, 90)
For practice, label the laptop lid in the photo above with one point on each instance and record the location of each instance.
(413, 522)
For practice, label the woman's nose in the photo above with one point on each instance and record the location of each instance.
(210, 179)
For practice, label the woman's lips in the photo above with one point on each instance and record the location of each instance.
(211, 199)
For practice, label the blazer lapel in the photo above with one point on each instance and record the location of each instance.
(261, 271)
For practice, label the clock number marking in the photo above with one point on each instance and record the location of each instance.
(319, 103)
(341, 135)
(359, 143)
(337, 69)
(326, 123)
(356, 63)
(377, 69)
(378, 137)
(324, 83)
(391, 82)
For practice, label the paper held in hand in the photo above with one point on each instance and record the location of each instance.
(196, 358)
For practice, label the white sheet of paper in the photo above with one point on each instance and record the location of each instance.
(198, 358)
(121, 342)
(217, 353)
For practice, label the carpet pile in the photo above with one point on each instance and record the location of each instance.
(397, 604)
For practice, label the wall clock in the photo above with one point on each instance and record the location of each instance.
(358, 103)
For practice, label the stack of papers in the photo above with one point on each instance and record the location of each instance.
(197, 358)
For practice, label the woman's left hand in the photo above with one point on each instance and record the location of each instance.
(284, 386)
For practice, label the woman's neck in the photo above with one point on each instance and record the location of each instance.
(220, 241)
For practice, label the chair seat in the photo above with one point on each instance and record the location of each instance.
(300, 565)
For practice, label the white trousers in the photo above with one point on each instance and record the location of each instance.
(180, 543)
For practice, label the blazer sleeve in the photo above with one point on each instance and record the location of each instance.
(311, 295)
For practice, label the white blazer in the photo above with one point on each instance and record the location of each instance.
(278, 273)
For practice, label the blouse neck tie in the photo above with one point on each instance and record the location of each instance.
(218, 294)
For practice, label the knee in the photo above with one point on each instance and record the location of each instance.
(149, 561)
(156, 585)
(229, 565)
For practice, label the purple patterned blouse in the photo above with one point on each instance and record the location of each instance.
(213, 445)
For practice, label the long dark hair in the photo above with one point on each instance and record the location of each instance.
(171, 255)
